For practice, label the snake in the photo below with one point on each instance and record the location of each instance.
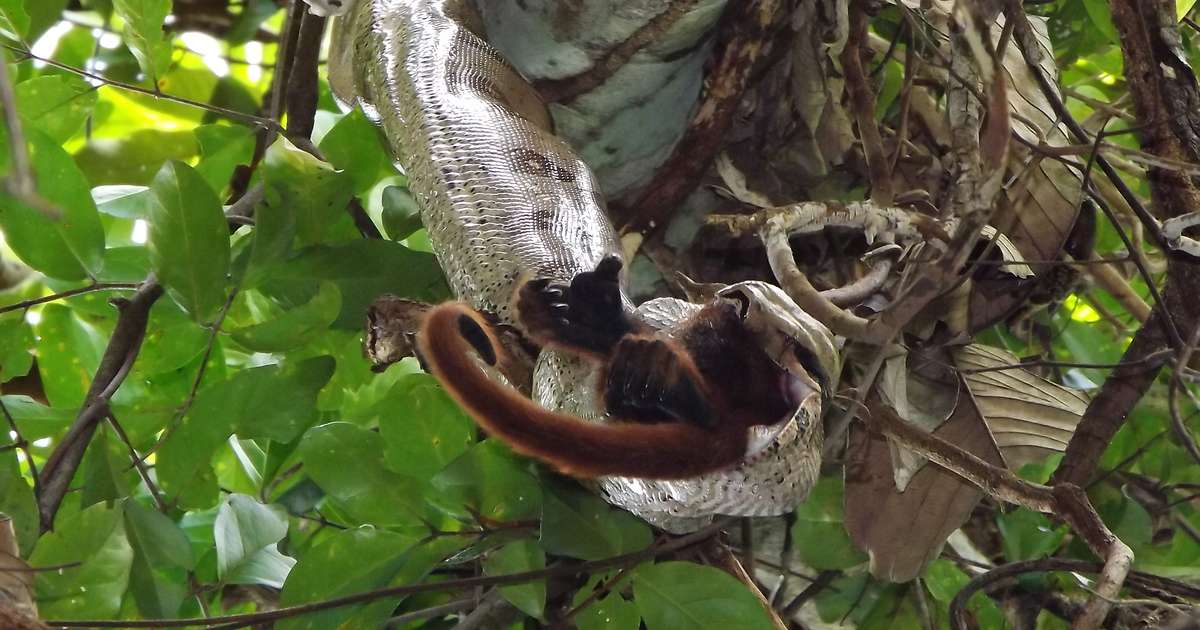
(503, 200)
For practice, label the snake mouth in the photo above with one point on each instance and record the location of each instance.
(803, 396)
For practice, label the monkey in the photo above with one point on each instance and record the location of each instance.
(683, 405)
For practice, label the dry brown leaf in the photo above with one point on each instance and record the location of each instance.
(903, 532)
(1029, 416)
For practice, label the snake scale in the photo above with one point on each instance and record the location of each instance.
(505, 200)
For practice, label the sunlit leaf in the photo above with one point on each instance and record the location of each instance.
(144, 21)
(189, 240)
(423, 428)
(57, 105)
(68, 246)
(488, 480)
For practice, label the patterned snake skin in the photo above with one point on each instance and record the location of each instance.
(505, 200)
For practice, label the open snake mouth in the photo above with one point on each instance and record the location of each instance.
(803, 395)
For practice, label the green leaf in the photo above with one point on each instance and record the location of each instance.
(685, 596)
(610, 612)
(106, 470)
(311, 190)
(127, 202)
(423, 428)
(14, 21)
(1098, 11)
(401, 215)
(16, 346)
(363, 270)
(418, 563)
(144, 20)
(222, 149)
(272, 402)
(518, 557)
(16, 497)
(69, 247)
(347, 462)
(172, 340)
(1027, 535)
(819, 534)
(95, 538)
(189, 240)
(135, 157)
(1183, 7)
(162, 556)
(246, 533)
(42, 15)
(296, 326)
(68, 351)
(488, 480)
(353, 145)
(36, 420)
(944, 580)
(363, 559)
(579, 524)
(57, 105)
(274, 231)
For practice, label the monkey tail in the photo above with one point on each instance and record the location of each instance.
(573, 446)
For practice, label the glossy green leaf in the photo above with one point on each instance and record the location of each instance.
(144, 21)
(94, 538)
(944, 580)
(162, 557)
(135, 157)
(16, 497)
(353, 145)
(16, 346)
(68, 351)
(107, 474)
(1027, 535)
(127, 202)
(42, 14)
(347, 462)
(189, 240)
(819, 534)
(14, 21)
(364, 558)
(579, 524)
(294, 327)
(609, 612)
(222, 149)
(401, 214)
(488, 480)
(686, 596)
(518, 557)
(246, 533)
(56, 105)
(1098, 11)
(423, 428)
(363, 270)
(271, 402)
(69, 246)
(312, 191)
(36, 420)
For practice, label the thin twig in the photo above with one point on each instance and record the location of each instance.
(95, 286)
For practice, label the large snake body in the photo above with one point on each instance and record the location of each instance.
(505, 200)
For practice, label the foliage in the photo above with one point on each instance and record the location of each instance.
(278, 467)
